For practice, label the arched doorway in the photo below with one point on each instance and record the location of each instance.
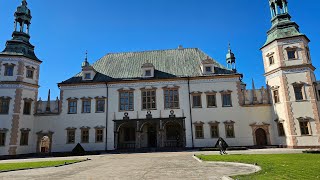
(127, 136)
(45, 144)
(261, 137)
(173, 133)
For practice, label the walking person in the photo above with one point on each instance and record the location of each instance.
(222, 145)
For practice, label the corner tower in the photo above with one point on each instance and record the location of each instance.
(19, 76)
(290, 77)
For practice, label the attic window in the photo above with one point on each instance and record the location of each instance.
(87, 76)
(147, 73)
(208, 69)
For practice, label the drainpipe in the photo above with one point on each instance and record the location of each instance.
(107, 109)
(190, 110)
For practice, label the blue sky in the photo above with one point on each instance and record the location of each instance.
(63, 30)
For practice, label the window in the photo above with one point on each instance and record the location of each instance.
(271, 60)
(2, 138)
(280, 129)
(211, 100)
(214, 130)
(305, 127)
(291, 54)
(171, 98)
(276, 96)
(24, 138)
(130, 134)
(229, 129)
(71, 134)
(4, 106)
(84, 135)
(27, 108)
(100, 105)
(226, 100)
(8, 71)
(199, 131)
(147, 73)
(126, 101)
(87, 76)
(99, 135)
(208, 69)
(72, 107)
(298, 92)
(196, 101)
(149, 99)
(29, 73)
(86, 106)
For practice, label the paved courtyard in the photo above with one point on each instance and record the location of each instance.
(174, 165)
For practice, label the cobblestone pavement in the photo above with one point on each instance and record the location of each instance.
(174, 165)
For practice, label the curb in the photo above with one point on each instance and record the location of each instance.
(66, 164)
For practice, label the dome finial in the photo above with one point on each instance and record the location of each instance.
(85, 63)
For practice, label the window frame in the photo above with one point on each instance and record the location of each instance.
(214, 94)
(144, 99)
(85, 135)
(223, 95)
(97, 105)
(24, 137)
(199, 133)
(147, 73)
(305, 127)
(75, 107)
(87, 76)
(129, 100)
(298, 92)
(276, 97)
(99, 137)
(174, 101)
(3, 136)
(86, 108)
(206, 70)
(214, 125)
(6, 70)
(4, 109)
(71, 135)
(30, 69)
(27, 106)
(199, 96)
(229, 124)
(271, 60)
(294, 52)
(281, 131)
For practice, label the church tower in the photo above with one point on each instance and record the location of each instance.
(290, 77)
(19, 77)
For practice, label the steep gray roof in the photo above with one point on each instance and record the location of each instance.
(183, 62)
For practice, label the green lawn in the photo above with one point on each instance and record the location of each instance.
(23, 165)
(275, 166)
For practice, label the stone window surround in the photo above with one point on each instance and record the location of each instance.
(99, 128)
(100, 99)
(24, 130)
(149, 89)
(30, 68)
(126, 90)
(174, 87)
(71, 129)
(27, 100)
(292, 48)
(226, 92)
(211, 93)
(226, 124)
(76, 107)
(273, 89)
(280, 122)
(6, 65)
(4, 131)
(198, 124)
(84, 99)
(196, 93)
(308, 120)
(214, 124)
(301, 85)
(270, 55)
(83, 129)
(5, 98)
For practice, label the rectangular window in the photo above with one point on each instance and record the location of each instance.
(211, 100)
(304, 127)
(8, 71)
(86, 106)
(208, 69)
(24, 138)
(199, 132)
(84, 135)
(2, 138)
(147, 73)
(171, 99)
(72, 107)
(4, 106)
(291, 54)
(130, 134)
(196, 101)
(148, 99)
(230, 131)
(226, 100)
(214, 131)
(27, 108)
(100, 105)
(71, 134)
(99, 135)
(271, 60)
(276, 96)
(126, 101)
(87, 76)
(281, 130)
(298, 93)
(29, 73)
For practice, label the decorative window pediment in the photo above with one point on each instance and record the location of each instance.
(229, 122)
(211, 92)
(196, 93)
(198, 123)
(71, 128)
(99, 127)
(85, 127)
(226, 92)
(126, 89)
(171, 87)
(274, 87)
(213, 122)
(270, 54)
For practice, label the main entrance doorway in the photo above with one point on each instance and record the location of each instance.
(261, 137)
(152, 137)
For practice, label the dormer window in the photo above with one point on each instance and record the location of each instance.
(207, 66)
(147, 73)
(87, 76)
(208, 69)
(148, 70)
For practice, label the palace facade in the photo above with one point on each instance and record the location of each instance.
(176, 98)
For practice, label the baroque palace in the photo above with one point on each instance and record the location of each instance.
(161, 98)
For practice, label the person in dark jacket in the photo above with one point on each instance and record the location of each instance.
(222, 145)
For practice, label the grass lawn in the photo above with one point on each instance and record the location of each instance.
(275, 166)
(22, 165)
